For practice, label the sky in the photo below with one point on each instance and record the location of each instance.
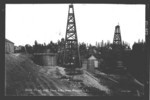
(26, 23)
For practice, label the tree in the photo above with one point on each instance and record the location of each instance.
(138, 61)
(29, 48)
(83, 49)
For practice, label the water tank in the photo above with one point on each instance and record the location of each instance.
(46, 58)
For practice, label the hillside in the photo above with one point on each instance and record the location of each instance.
(25, 78)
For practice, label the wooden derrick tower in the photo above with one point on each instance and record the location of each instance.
(117, 47)
(117, 42)
(71, 54)
(117, 36)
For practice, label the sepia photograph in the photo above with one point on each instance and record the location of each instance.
(75, 49)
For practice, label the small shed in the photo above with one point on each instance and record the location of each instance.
(92, 63)
(9, 46)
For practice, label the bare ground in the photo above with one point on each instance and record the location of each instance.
(25, 78)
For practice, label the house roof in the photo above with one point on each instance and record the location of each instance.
(6, 40)
(92, 58)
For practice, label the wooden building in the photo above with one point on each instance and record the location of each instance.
(90, 64)
(9, 46)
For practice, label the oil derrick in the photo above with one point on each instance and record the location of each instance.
(117, 36)
(71, 54)
(117, 42)
(117, 47)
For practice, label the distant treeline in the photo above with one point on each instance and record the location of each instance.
(133, 59)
